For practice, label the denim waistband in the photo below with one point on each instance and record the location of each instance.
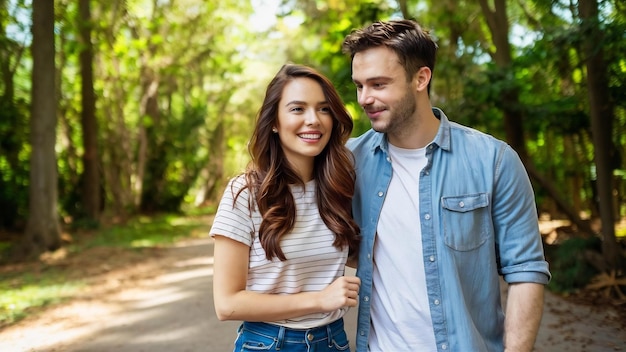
(283, 334)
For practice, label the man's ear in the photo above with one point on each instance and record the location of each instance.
(422, 78)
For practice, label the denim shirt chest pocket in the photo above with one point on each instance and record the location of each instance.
(465, 221)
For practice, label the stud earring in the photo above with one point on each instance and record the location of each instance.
(274, 130)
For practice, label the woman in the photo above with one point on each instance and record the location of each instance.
(283, 229)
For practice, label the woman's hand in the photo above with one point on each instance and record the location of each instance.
(343, 292)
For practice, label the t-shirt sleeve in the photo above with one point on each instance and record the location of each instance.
(234, 220)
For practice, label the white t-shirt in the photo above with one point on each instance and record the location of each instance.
(312, 262)
(400, 313)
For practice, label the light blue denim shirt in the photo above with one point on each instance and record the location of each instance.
(478, 221)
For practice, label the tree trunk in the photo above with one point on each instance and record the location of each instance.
(42, 228)
(498, 24)
(149, 109)
(215, 167)
(572, 160)
(601, 112)
(404, 8)
(575, 180)
(118, 152)
(91, 194)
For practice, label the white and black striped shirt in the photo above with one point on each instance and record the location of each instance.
(312, 261)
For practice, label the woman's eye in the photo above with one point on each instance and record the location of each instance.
(297, 109)
(325, 109)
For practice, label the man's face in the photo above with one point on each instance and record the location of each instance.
(382, 89)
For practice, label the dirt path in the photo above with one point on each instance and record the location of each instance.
(164, 303)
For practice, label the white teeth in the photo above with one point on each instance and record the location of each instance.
(310, 136)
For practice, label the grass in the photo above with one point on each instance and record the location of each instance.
(31, 286)
(25, 292)
(147, 231)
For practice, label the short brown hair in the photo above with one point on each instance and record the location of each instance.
(412, 44)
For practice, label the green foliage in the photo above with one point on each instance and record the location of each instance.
(204, 68)
(147, 231)
(14, 166)
(480, 106)
(317, 42)
(174, 163)
(570, 269)
(615, 46)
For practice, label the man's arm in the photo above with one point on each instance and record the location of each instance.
(524, 309)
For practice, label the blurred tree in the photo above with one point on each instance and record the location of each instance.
(42, 230)
(602, 116)
(90, 179)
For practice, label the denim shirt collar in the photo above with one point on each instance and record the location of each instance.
(442, 139)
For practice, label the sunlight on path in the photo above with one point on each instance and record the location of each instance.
(171, 309)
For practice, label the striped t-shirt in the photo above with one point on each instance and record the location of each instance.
(312, 262)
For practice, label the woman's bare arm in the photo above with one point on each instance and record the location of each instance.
(233, 302)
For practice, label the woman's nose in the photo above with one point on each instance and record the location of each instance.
(311, 117)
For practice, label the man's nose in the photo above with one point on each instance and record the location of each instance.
(364, 97)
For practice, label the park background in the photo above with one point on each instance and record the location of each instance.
(121, 121)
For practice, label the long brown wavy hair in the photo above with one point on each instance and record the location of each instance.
(269, 173)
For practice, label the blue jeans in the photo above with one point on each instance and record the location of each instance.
(269, 337)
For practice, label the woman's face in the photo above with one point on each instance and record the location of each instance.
(304, 122)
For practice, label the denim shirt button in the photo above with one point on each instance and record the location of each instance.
(369, 255)
(461, 204)
(380, 193)
(444, 346)
(431, 258)
(362, 333)
(436, 302)
(389, 159)
(366, 299)
(427, 216)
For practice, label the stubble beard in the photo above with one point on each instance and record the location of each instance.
(400, 116)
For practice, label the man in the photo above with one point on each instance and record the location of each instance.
(444, 211)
